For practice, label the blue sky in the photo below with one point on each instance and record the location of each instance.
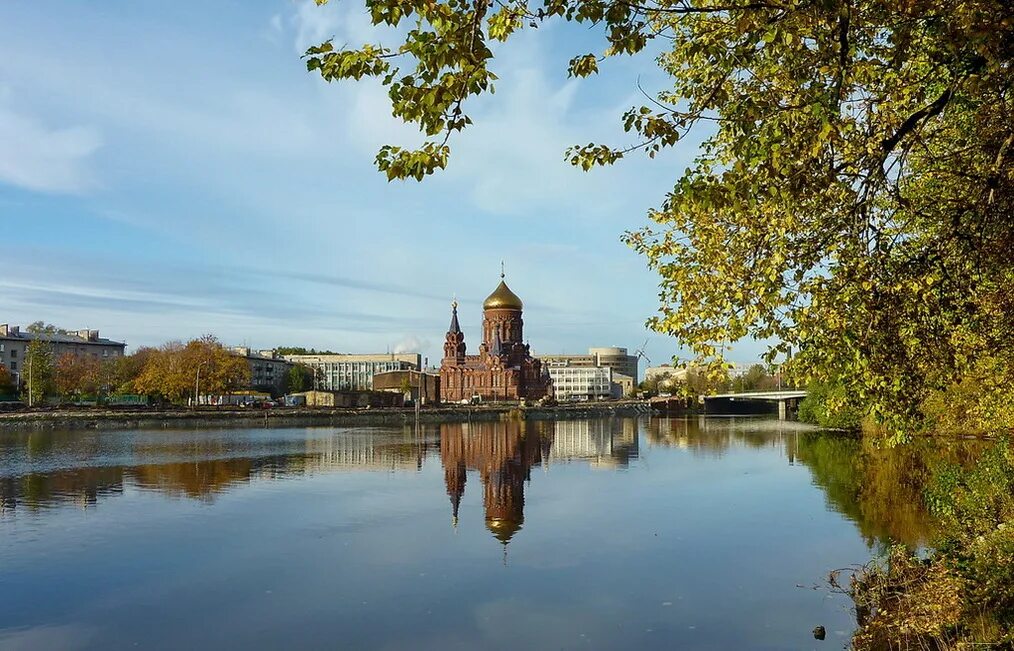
(169, 169)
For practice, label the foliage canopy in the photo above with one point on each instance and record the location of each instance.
(176, 371)
(852, 202)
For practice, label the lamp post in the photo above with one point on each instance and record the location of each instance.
(197, 382)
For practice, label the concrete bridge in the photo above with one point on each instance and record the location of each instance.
(787, 401)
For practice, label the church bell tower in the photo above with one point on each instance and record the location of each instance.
(454, 343)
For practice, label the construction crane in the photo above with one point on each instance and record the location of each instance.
(640, 352)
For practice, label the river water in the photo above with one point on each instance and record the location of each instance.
(702, 533)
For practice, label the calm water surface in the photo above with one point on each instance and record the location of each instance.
(710, 533)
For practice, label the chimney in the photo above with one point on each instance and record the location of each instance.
(93, 335)
(4, 328)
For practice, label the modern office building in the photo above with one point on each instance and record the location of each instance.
(346, 372)
(14, 345)
(572, 383)
(614, 357)
(623, 366)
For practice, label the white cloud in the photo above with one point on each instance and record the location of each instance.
(45, 159)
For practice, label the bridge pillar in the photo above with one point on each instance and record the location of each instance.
(782, 415)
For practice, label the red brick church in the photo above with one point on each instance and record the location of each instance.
(504, 369)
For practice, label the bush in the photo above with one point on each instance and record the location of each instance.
(976, 510)
(980, 402)
(829, 406)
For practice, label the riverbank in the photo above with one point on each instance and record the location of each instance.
(93, 418)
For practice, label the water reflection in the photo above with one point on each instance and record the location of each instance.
(503, 454)
(650, 534)
(43, 469)
(878, 489)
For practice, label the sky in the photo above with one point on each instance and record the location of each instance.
(170, 169)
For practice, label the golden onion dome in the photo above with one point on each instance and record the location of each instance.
(502, 298)
(503, 530)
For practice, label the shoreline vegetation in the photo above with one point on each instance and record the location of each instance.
(958, 592)
(954, 591)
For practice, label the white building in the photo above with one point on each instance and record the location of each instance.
(614, 357)
(581, 382)
(354, 372)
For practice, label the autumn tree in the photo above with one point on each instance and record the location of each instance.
(77, 375)
(175, 370)
(6, 381)
(165, 374)
(121, 372)
(221, 371)
(851, 200)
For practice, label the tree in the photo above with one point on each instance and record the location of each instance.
(756, 378)
(6, 381)
(852, 196)
(165, 374)
(298, 379)
(174, 370)
(77, 375)
(121, 372)
(658, 383)
(41, 327)
(37, 375)
(299, 350)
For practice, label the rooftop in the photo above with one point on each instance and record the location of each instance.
(89, 337)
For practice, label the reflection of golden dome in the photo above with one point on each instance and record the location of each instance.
(503, 530)
(502, 298)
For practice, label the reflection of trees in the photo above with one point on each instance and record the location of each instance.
(503, 453)
(880, 488)
(84, 486)
(193, 467)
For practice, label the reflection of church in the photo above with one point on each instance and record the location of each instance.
(503, 453)
(504, 369)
